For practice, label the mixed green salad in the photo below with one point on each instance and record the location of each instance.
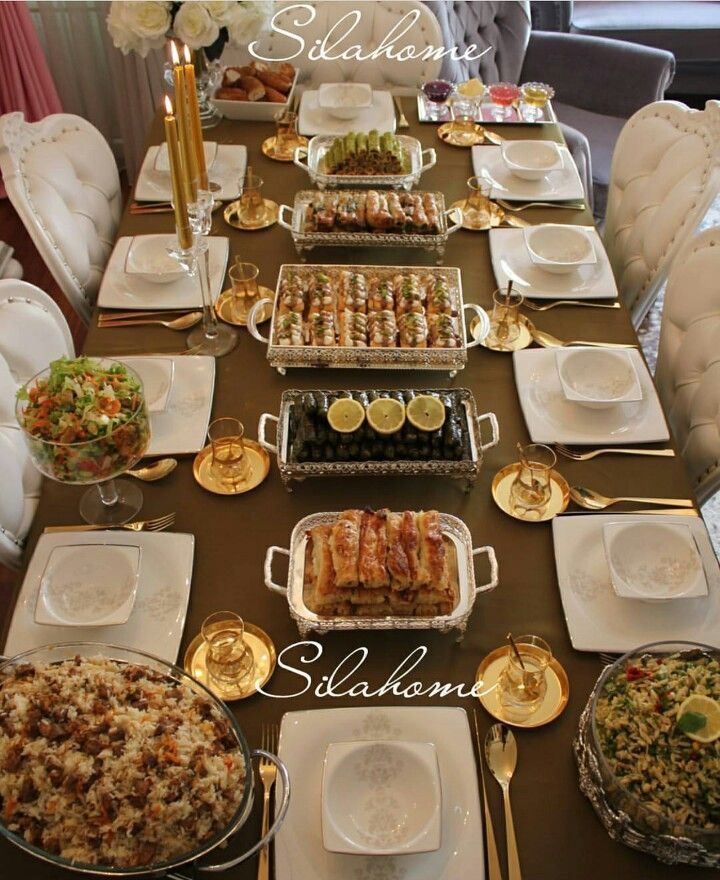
(88, 418)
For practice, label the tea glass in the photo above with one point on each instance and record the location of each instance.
(534, 96)
(229, 462)
(522, 685)
(462, 111)
(477, 207)
(229, 658)
(505, 321)
(531, 491)
(503, 95)
(286, 138)
(252, 205)
(243, 277)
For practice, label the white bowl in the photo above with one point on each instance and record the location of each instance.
(344, 100)
(654, 562)
(598, 378)
(162, 162)
(559, 249)
(157, 374)
(147, 259)
(88, 585)
(531, 160)
(253, 111)
(381, 798)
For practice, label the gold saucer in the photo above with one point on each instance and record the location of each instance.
(268, 149)
(556, 697)
(449, 135)
(224, 307)
(559, 498)
(259, 642)
(232, 217)
(523, 340)
(495, 218)
(259, 467)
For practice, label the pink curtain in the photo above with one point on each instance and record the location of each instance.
(25, 81)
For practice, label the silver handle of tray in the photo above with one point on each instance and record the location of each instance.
(494, 428)
(252, 320)
(269, 583)
(264, 419)
(300, 154)
(281, 217)
(431, 161)
(454, 214)
(483, 321)
(492, 559)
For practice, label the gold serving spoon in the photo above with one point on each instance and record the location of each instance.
(155, 471)
(592, 500)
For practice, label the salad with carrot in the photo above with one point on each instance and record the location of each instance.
(85, 420)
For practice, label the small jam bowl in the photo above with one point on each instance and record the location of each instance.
(344, 100)
(381, 798)
(148, 259)
(559, 249)
(654, 562)
(531, 160)
(598, 378)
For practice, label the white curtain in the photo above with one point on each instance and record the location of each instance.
(117, 93)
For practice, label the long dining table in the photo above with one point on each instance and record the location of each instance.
(559, 837)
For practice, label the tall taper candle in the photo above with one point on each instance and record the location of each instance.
(194, 119)
(182, 224)
(190, 172)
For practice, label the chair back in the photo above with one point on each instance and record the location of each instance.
(665, 174)
(62, 180)
(688, 365)
(376, 20)
(33, 332)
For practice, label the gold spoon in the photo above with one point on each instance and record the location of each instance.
(544, 307)
(184, 322)
(155, 471)
(547, 340)
(501, 757)
(592, 500)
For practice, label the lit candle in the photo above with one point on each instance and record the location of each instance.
(190, 172)
(194, 120)
(182, 224)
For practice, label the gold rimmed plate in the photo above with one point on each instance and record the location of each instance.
(269, 216)
(269, 149)
(258, 458)
(496, 216)
(449, 134)
(224, 307)
(559, 496)
(522, 341)
(555, 700)
(263, 649)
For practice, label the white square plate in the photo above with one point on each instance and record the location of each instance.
(228, 170)
(119, 290)
(88, 586)
(556, 186)
(157, 374)
(158, 616)
(550, 418)
(599, 620)
(304, 738)
(314, 120)
(162, 163)
(511, 260)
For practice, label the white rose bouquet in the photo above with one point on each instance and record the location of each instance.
(141, 25)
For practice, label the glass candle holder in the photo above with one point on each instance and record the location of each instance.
(531, 489)
(505, 320)
(229, 462)
(252, 206)
(243, 277)
(229, 658)
(477, 208)
(503, 95)
(534, 97)
(522, 684)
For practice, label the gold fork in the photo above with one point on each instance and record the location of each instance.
(593, 453)
(158, 524)
(537, 307)
(569, 206)
(268, 774)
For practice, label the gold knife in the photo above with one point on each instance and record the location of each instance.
(494, 872)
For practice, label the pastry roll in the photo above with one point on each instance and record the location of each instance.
(353, 329)
(345, 548)
(413, 330)
(293, 295)
(408, 294)
(290, 329)
(353, 292)
(322, 329)
(411, 544)
(325, 586)
(381, 297)
(397, 561)
(439, 300)
(373, 550)
(432, 549)
(444, 331)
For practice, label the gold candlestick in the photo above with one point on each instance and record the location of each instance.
(190, 171)
(194, 120)
(182, 224)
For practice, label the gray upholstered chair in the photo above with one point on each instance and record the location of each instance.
(598, 83)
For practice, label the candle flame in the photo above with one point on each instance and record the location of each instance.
(188, 56)
(174, 52)
(168, 106)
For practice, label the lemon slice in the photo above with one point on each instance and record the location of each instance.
(699, 704)
(386, 415)
(473, 88)
(426, 412)
(345, 415)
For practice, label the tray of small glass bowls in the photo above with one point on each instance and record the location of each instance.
(458, 457)
(484, 115)
(306, 236)
(461, 556)
(300, 350)
(312, 160)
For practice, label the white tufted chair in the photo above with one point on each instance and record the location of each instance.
(688, 367)
(61, 178)
(665, 174)
(33, 332)
(377, 19)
